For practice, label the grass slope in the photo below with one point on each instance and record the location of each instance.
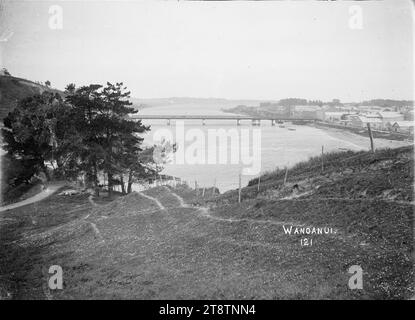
(169, 243)
(13, 89)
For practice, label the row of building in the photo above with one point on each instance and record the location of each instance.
(382, 120)
(396, 119)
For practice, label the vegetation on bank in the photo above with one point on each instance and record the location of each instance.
(334, 167)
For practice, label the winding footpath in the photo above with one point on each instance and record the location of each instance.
(51, 189)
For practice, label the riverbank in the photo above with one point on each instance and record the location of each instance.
(356, 136)
(361, 141)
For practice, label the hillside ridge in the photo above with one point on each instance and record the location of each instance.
(13, 89)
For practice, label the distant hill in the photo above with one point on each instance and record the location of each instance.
(13, 89)
(155, 102)
(387, 103)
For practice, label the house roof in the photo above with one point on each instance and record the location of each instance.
(390, 114)
(307, 108)
(366, 119)
(373, 120)
(334, 113)
(404, 123)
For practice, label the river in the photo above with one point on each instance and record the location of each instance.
(279, 147)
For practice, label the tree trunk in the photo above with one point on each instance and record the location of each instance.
(109, 175)
(108, 163)
(46, 172)
(130, 181)
(369, 130)
(122, 184)
(95, 181)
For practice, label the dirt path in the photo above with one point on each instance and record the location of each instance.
(204, 212)
(52, 188)
(153, 199)
(180, 199)
(91, 201)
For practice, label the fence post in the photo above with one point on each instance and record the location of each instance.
(322, 159)
(240, 186)
(369, 129)
(286, 174)
(196, 188)
(259, 182)
(203, 192)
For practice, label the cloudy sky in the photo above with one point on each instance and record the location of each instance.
(246, 50)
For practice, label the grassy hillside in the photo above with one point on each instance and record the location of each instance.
(13, 89)
(169, 243)
(387, 174)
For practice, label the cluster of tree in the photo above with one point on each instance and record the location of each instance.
(85, 134)
(387, 103)
(290, 102)
(334, 103)
(5, 72)
(315, 103)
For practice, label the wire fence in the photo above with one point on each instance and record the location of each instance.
(323, 165)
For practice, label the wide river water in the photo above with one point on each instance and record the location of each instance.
(279, 147)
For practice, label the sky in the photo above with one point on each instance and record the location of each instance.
(236, 50)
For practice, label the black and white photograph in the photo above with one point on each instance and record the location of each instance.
(227, 151)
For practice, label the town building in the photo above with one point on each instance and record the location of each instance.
(333, 116)
(360, 121)
(390, 116)
(403, 127)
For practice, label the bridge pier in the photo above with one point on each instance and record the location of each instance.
(255, 121)
(203, 122)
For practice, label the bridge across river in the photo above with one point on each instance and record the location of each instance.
(256, 120)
